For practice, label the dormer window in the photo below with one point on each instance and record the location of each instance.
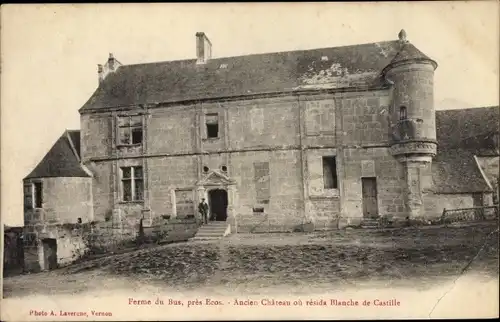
(130, 130)
(402, 113)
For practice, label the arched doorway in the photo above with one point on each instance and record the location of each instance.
(217, 202)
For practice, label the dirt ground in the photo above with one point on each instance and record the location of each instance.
(296, 262)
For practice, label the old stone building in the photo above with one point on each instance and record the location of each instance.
(57, 195)
(274, 141)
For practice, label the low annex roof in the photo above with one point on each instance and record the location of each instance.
(62, 160)
(463, 134)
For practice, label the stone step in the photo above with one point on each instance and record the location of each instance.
(215, 223)
(209, 236)
(211, 231)
(205, 238)
(214, 233)
(213, 227)
(369, 223)
(218, 230)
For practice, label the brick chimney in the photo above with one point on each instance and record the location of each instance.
(111, 62)
(100, 72)
(203, 48)
(110, 67)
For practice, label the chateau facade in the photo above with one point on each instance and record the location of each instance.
(271, 141)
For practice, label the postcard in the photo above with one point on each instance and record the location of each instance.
(250, 161)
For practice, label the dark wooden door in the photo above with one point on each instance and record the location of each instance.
(369, 191)
(50, 253)
(218, 204)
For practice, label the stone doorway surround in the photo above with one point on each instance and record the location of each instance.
(212, 180)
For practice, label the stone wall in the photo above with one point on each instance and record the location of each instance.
(285, 207)
(172, 229)
(489, 166)
(377, 163)
(102, 189)
(364, 118)
(167, 174)
(414, 89)
(64, 200)
(435, 203)
(171, 130)
(289, 134)
(70, 241)
(263, 123)
(96, 135)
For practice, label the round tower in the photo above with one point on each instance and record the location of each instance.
(413, 119)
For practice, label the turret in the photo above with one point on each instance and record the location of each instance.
(413, 119)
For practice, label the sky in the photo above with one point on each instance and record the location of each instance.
(49, 55)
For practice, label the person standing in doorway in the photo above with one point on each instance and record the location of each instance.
(203, 210)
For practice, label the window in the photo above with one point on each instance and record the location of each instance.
(259, 210)
(28, 196)
(330, 172)
(37, 194)
(212, 123)
(130, 130)
(205, 169)
(224, 168)
(132, 184)
(402, 113)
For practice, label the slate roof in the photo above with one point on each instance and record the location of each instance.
(470, 128)
(61, 160)
(456, 171)
(356, 66)
(410, 52)
(462, 134)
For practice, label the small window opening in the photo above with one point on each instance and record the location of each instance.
(212, 123)
(79, 220)
(258, 210)
(224, 168)
(205, 169)
(402, 113)
(330, 172)
(38, 194)
(137, 136)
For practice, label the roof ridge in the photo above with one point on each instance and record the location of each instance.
(340, 67)
(72, 145)
(261, 54)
